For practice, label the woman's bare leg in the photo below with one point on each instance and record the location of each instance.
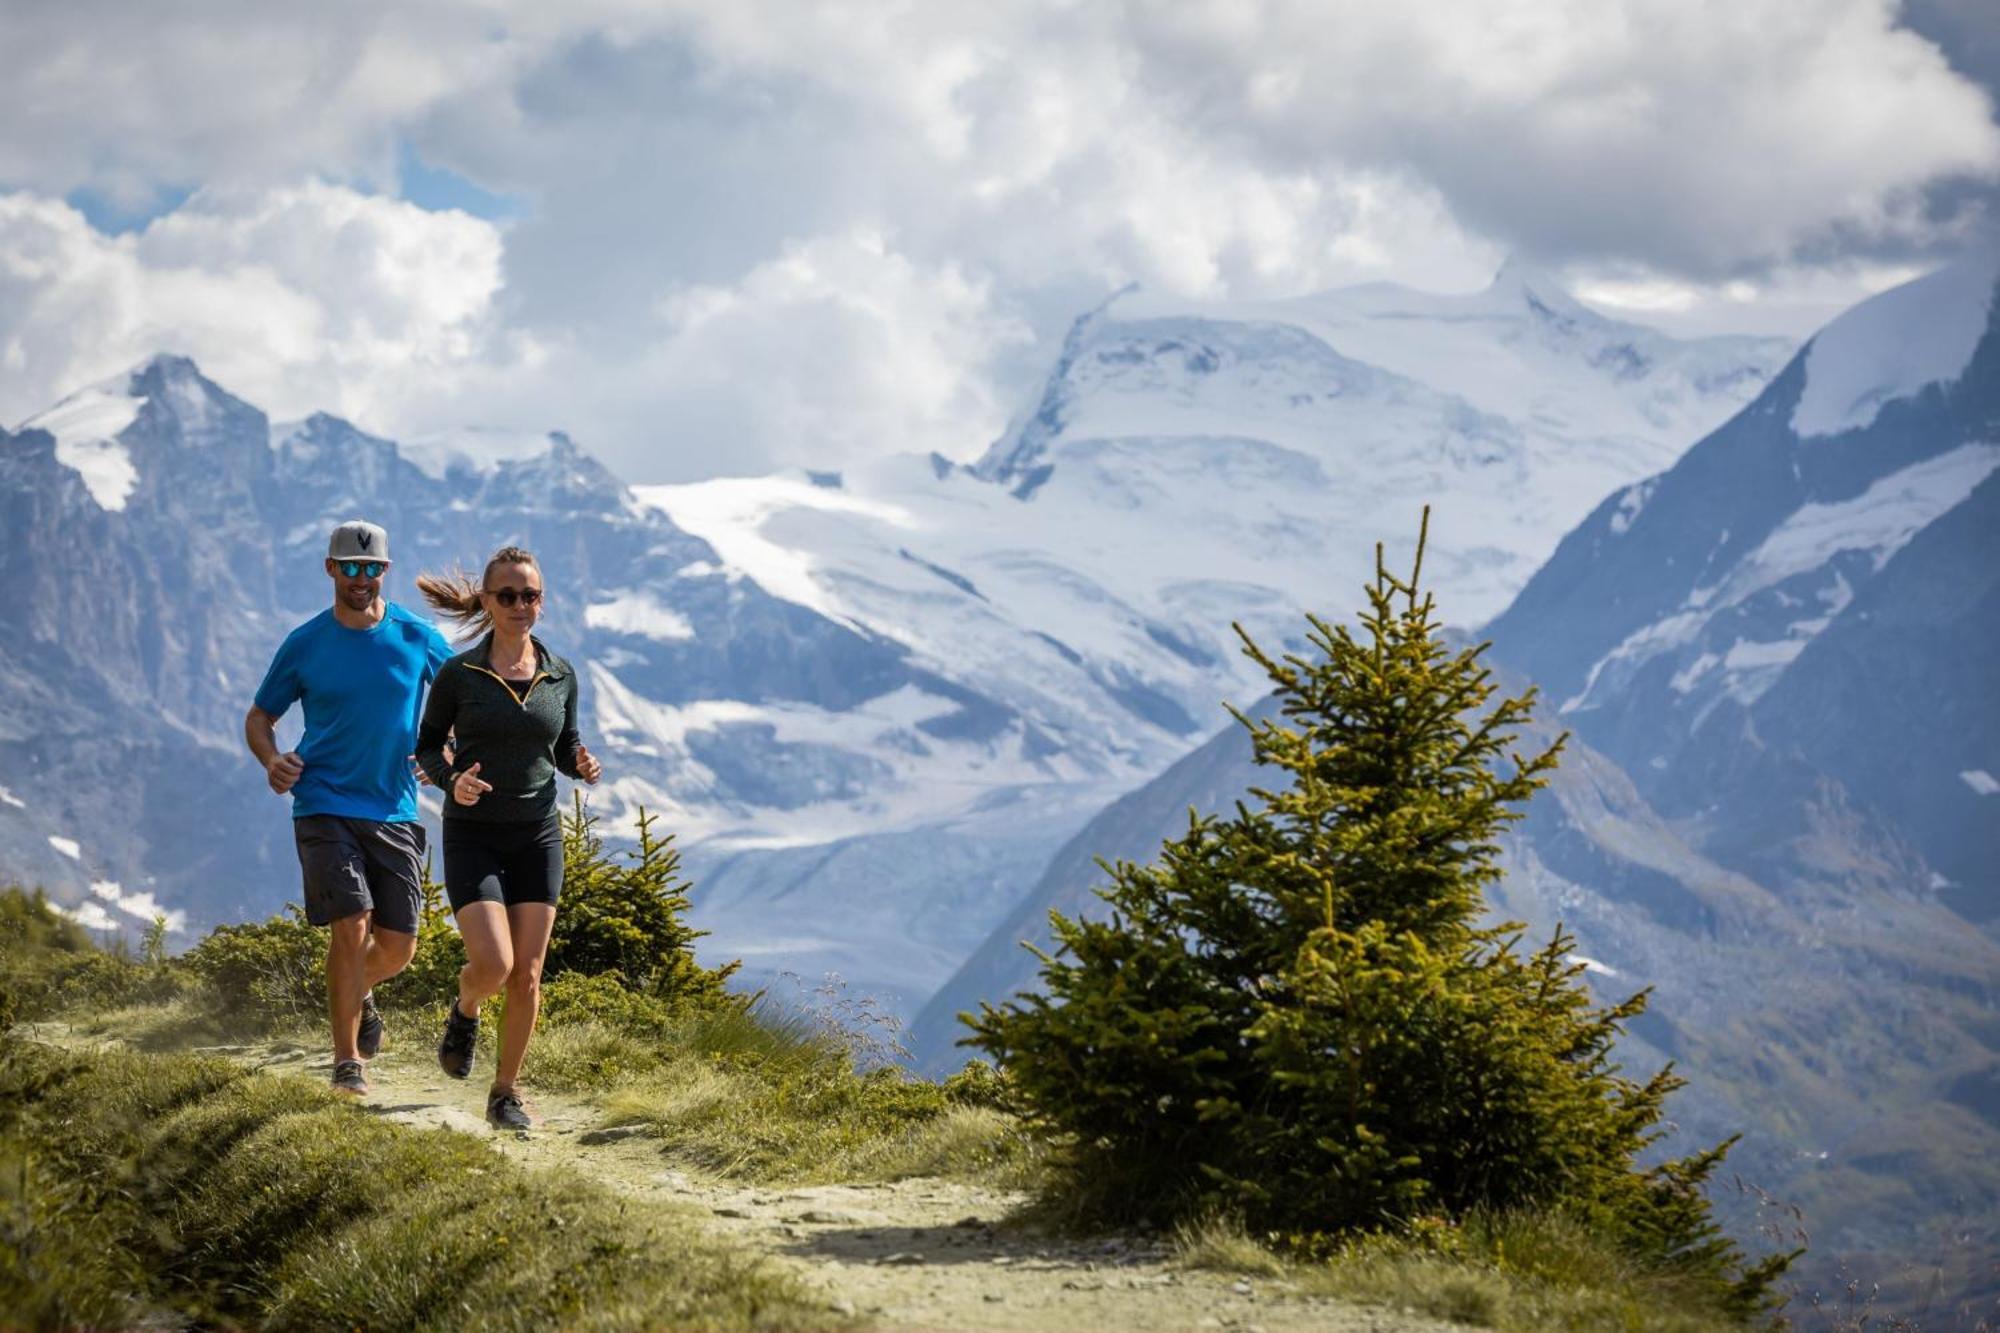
(489, 954)
(531, 925)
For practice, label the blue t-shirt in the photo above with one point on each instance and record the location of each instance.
(363, 691)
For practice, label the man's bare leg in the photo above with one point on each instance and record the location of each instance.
(389, 952)
(346, 982)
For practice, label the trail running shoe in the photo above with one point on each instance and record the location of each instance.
(350, 1077)
(455, 1047)
(369, 1040)
(503, 1111)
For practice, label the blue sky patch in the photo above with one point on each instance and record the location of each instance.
(439, 188)
(116, 218)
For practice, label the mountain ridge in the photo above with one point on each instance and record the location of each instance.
(903, 684)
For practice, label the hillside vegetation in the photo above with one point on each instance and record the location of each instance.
(142, 1183)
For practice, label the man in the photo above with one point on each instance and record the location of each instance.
(359, 669)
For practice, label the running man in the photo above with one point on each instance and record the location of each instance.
(359, 669)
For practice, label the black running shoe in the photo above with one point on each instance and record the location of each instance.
(461, 1034)
(369, 1040)
(350, 1077)
(503, 1111)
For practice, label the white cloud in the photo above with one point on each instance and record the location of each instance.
(1699, 136)
(312, 296)
(840, 348)
(767, 232)
(128, 100)
(88, 915)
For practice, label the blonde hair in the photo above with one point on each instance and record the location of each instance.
(456, 596)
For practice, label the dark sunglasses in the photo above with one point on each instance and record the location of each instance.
(509, 596)
(354, 569)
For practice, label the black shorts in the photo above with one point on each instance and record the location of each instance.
(361, 865)
(508, 863)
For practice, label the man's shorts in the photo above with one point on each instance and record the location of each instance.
(361, 865)
(510, 863)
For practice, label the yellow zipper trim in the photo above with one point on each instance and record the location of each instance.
(521, 698)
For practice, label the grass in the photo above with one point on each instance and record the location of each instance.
(750, 1091)
(1518, 1272)
(732, 1097)
(150, 1188)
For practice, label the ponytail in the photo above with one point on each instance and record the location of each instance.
(456, 597)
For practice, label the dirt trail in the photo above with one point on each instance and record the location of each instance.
(914, 1254)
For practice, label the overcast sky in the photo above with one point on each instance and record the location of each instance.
(724, 237)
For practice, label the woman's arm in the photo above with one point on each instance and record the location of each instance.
(566, 740)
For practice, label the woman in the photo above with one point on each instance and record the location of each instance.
(508, 705)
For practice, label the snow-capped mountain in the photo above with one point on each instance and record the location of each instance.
(1187, 465)
(160, 538)
(871, 705)
(1810, 598)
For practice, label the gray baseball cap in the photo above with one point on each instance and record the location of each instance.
(358, 539)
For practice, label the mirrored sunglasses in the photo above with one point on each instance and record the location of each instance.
(355, 569)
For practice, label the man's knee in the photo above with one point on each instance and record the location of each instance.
(395, 948)
(348, 935)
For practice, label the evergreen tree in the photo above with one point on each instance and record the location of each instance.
(626, 913)
(1295, 1011)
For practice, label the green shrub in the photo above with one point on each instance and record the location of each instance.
(976, 1084)
(29, 926)
(48, 963)
(583, 997)
(273, 970)
(626, 913)
(1295, 1016)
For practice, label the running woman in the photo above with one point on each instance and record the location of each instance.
(359, 669)
(508, 706)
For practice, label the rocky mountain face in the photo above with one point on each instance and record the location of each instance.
(163, 537)
(1788, 638)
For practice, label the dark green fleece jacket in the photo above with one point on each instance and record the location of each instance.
(520, 743)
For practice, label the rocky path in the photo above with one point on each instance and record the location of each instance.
(913, 1254)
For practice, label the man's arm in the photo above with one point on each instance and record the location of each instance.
(260, 733)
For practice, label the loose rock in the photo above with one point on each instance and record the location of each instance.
(614, 1134)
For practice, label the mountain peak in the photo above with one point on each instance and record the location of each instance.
(167, 366)
(1519, 282)
(1895, 344)
(481, 450)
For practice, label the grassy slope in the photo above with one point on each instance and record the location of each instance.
(160, 1186)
